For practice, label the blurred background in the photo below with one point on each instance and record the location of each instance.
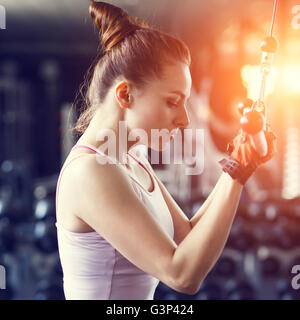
(45, 51)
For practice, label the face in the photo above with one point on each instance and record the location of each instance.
(162, 105)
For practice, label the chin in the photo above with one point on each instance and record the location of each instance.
(160, 147)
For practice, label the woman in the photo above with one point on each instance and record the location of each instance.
(119, 230)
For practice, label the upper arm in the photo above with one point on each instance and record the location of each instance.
(182, 225)
(110, 206)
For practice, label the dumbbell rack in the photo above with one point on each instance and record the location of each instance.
(258, 258)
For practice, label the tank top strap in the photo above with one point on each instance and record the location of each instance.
(140, 163)
(90, 147)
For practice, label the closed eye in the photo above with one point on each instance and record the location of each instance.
(172, 104)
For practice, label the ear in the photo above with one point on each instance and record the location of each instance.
(122, 94)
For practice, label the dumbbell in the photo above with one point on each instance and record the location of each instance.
(209, 290)
(162, 291)
(271, 211)
(239, 290)
(7, 235)
(253, 212)
(44, 208)
(13, 189)
(270, 266)
(45, 235)
(49, 289)
(264, 234)
(282, 234)
(58, 271)
(225, 267)
(285, 290)
(240, 238)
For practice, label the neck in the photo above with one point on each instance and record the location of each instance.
(108, 132)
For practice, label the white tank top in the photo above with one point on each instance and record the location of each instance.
(94, 270)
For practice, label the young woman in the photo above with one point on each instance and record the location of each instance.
(119, 230)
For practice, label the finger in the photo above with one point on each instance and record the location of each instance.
(230, 148)
(268, 127)
(269, 130)
(243, 156)
(270, 135)
(273, 134)
(272, 149)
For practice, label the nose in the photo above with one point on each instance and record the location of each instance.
(183, 119)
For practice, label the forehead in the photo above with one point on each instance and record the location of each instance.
(175, 76)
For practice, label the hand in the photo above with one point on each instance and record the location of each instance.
(242, 150)
(244, 159)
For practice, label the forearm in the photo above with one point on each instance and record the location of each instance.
(206, 203)
(200, 249)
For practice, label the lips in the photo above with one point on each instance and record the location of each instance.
(175, 131)
(173, 134)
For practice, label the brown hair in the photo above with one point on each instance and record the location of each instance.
(132, 48)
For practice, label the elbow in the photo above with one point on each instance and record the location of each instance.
(182, 282)
(190, 288)
(183, 285)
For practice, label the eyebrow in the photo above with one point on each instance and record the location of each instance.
(179, 93)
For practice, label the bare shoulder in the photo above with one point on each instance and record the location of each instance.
(92, 174)
(101, 181)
